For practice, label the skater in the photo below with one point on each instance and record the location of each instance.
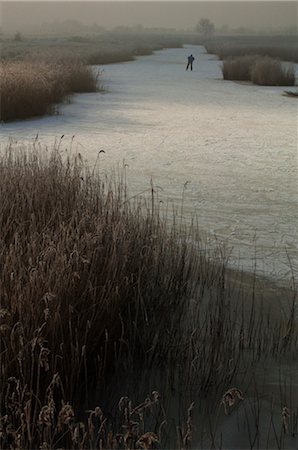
(190, 60)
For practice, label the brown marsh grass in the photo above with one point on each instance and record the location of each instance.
(122, 55)
(263, 71)
(101, 48)
(37, 73)
(95, 285)
(33, 88)
(270, 72)
(279, 47)
(238, 69)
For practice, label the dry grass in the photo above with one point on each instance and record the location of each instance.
(263, 71)
(115, 56)
(38, 73)
(279, 47)
(93, 286)
(238, 69)
(102, 48)
(122, 55)
(32, 88)
(269, 72)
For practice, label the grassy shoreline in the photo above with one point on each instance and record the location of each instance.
(262, 71)
(94, 49)
(94, 289)
(34, 88)
(279, 47)
(257, 59)
(37, 74)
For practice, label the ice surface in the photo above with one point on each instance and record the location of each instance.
(235, 143)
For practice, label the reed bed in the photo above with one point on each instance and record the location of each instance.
(102, 48)
(121, 55)
(270, 72)
(279, 47)
(33, 88)
(262, 71)
(238, 69)
(95, 285)
(37, 73)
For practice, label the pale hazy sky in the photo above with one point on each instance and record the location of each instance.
(180, 14)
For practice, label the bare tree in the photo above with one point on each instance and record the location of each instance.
(205, 27)
(17, 37)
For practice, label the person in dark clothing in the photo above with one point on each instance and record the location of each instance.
(190, 60)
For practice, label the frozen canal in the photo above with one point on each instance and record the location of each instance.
(235, 145)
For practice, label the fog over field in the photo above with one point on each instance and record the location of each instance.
(178, 14)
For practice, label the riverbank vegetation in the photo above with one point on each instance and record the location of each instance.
(256, 58)
(106, 298)
(259, 70)
(280, 47)
(99, 48)
(37, 73)
(34, 87)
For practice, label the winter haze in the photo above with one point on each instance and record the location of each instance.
(30, 16)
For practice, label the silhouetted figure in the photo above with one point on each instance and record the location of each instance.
(190, 60)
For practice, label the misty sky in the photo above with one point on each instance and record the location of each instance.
(182, 14)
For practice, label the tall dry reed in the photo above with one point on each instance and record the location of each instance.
(33, 88)
(270, 72)
(95, 286)
(238, 69)
(263, 71)
(278, 47)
